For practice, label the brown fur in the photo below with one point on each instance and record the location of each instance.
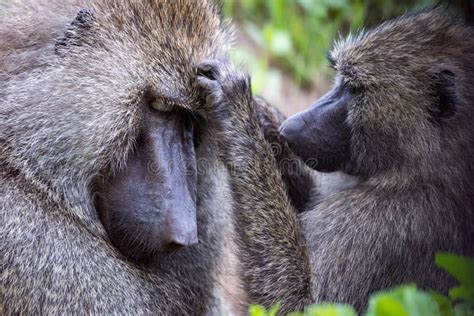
(414, 194)
(70, 87)
(70, 113)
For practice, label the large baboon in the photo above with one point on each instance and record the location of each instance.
(400, 119)
(106, 169)
(100, 150)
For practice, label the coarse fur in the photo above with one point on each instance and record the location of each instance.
(413, 162)
(300, 183)
(72, 80)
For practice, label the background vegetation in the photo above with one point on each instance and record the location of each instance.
(284, 42)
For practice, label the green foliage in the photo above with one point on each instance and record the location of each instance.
(462, 270)
(296, 34)
(407, 300)
(327, 310)
(403, 301)
(257, 310)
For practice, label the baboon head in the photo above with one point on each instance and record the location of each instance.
(112, 112)
(402, 99)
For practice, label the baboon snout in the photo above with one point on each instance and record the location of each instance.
(179, 230)
(149, 206)
(320, 135)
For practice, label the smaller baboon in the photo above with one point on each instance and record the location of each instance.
(399, 118)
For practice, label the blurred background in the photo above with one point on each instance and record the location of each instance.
(283, 43)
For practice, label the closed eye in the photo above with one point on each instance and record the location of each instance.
(162, 105)
(352, 88)
(332, 62)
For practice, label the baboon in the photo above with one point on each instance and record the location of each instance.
(100, 147)
(106, 170)
(399, 118)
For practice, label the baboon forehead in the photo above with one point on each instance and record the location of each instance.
(404, 46)
(150, 40)
(171, 37)
(184, 28)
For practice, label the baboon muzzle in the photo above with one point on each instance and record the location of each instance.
(320, 135)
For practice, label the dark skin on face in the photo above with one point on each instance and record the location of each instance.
(320, 135)
(149, 206)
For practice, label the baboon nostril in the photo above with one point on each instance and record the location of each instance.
(179, 239)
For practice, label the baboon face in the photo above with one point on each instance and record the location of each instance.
(133, 64)
(393, 99)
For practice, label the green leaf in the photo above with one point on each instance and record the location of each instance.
(420, 303)
(403, 301)
(274, 310)
(384, 305)
(461, 293)
(228, 8)
(444, 303)
(267, 32)
(461, 268)
(257, 310)
(330, 310)
(278, 10)
(463, 310)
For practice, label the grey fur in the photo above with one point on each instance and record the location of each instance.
(69, 113)
(414, 194)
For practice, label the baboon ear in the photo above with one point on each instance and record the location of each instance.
(75, 31)
(445, 99)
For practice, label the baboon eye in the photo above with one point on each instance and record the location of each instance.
(162, 105)
(353, 89)
(332, 62)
